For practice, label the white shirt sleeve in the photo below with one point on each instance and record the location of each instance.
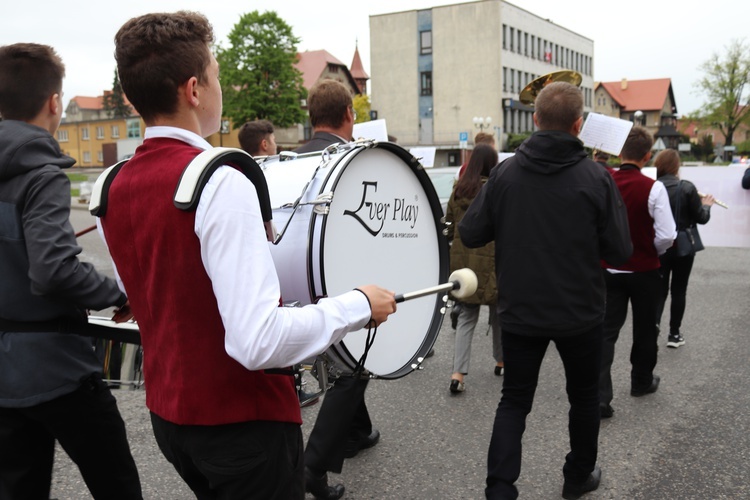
(664, 226)
(236, 256)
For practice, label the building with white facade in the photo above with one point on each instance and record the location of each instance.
(434, 71)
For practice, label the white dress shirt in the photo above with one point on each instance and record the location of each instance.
(258, 333)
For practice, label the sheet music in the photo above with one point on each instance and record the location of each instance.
(605, 133)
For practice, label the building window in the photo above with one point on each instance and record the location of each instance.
(100, 156)
(62, 136)
(100, 132)
(512, 39)
(332, 68)
(85, 134)
(512, 81)
(425, 42)
(526, 44)
(134, 129)
(505, 79)
(505, 37)
(533, 46)
(519, 40)
(86, 157)
(115, 132)
(427, 83)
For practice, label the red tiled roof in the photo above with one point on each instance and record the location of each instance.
(312, 63)
(644, 95)
(86, 102)
(358, 71)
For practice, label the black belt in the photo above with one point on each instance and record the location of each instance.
(73, 327)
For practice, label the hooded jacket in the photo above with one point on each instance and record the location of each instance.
(553, 214)
(42, 278)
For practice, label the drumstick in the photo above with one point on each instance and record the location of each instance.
(463, 282)
(84, 231)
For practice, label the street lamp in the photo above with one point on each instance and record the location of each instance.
(482, 123)
(638, 117)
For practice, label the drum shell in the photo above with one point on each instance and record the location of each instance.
(382, 227)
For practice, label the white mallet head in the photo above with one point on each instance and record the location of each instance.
(464, 283)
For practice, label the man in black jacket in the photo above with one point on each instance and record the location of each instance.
(51, 385)
(343, 426)
(553, 213)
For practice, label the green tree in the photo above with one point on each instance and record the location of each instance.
(258, 77)
(361, 104)
(114, 103)
(704, 148)
(515, 140)
(725, 83)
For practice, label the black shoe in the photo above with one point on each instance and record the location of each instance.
(571, 491)
(637, 393)
(353, 446)
(454, 319)
(307, 398)
(606, 410)
(318, 486)
(499, 370)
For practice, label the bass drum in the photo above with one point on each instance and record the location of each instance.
(367, 214)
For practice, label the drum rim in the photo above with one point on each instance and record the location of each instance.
(443, 253)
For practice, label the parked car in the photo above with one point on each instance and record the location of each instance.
(443, 178)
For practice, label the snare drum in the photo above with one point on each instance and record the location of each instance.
(367, 214)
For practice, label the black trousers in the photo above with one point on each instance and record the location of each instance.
(642, 291)
(88, 426)
(581, 357)
(250, 460)
(677, 270)
(343, 416)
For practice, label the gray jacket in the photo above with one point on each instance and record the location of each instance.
(42, 278)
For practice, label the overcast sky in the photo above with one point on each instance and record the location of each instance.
(636, 39)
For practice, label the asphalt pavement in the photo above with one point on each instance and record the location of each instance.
(689, 440)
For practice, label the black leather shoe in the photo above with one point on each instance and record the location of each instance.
(571, 490)
(606, 410)
(354, 446)
(637, 393)
(318, 486)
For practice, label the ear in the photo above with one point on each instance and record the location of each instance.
(647, 157)
(191, 92)
(54, 104)
(263, 144)
(536, 122)
(577, 125)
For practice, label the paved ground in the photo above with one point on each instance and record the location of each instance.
(690, 440)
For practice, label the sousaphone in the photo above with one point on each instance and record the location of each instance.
(529, 93)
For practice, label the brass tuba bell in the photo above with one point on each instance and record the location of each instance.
(529, 93)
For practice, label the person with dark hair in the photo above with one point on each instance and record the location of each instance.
(479, 260)
(257, 138)
(638, 280)
(688, 209)
(602, 159)
(343, 426)
(217, 346)
(553, 215)
(332, 115)
(51, 385)
(746, 179)
(480, 138)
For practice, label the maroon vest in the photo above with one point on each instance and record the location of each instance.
(635, 189)
(190, 379)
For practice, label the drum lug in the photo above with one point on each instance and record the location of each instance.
(321, 203)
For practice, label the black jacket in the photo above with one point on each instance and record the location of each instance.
(553, 214)
(318, 142)
(42, 278)
(692, 211)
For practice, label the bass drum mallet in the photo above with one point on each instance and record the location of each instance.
(462, 282)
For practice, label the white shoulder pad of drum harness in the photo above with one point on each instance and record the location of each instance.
(194, 179)
(98, 201)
